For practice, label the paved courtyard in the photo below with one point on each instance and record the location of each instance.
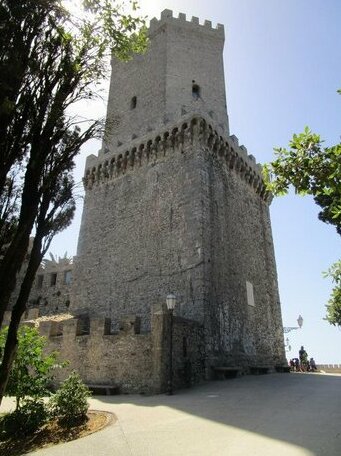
(270, 415)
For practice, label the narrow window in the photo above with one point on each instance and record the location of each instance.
(133, 103)
(67, 277)
(195, 90)
(53, 279)
(184, 347)
(40, 280)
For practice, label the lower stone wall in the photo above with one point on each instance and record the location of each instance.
(134, 362)
(101, 358)
(330, 368)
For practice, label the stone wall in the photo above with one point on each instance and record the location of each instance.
(240, 255)
(99, 357)
(330, 368)
(51, 289)
(187, 212)
(150, 242)
(135, 362)
(189, 354)
(148, 208)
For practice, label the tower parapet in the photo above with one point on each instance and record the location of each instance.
(182, 136)
(168, 17)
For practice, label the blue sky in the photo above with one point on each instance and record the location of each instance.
(282, 70)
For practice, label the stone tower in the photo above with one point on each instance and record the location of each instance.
(182, 73)
(174, 204)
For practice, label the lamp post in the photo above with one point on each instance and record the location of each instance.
(287, 329)
(171, 302)
(287, 345)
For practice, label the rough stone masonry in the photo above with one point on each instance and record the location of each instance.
(173, 204)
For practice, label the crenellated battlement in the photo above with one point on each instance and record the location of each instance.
(130, 360)
(195, 131)
(88, 326)
(61, 324)
(167, 17)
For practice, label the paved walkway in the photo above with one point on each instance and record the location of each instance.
(270, 415)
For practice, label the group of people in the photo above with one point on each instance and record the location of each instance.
(303, 364)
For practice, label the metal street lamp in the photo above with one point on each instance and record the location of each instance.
(300, 321)
(287, 345)
(287, 329)
(171, 303)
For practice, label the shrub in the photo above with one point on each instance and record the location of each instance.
(70, 405)
(25, 420)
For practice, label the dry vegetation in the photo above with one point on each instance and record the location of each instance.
(53, 434)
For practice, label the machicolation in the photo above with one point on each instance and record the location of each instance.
(195, 130)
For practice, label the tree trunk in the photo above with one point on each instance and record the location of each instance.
(17, 312)
(9, 353)
(15, 254)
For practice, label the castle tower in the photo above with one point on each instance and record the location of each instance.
(173, 203)
(182, 73)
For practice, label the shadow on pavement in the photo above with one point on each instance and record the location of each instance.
(301, 409)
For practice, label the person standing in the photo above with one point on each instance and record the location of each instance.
(303, 355)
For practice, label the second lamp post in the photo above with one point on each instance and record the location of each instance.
(171, 302)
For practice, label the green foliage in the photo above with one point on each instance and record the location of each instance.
(314, 170)
(69, 405)
(8, 209)
(31, 372)
(50, 60)
(311, 169)
(105, 28)
(26, 420)
(334, 303)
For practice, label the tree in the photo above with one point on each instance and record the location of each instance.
(311, 169)
(314, 170)
(334, 303)
(30, 377)
(58, 60)
(32, 371)
(9, 201)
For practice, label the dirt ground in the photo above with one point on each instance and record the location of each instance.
(52, 434)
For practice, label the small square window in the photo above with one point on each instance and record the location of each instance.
(133, 103)
(40, 280)
(195, 91)
(53, 279)
(184, 347)
(67, 277)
